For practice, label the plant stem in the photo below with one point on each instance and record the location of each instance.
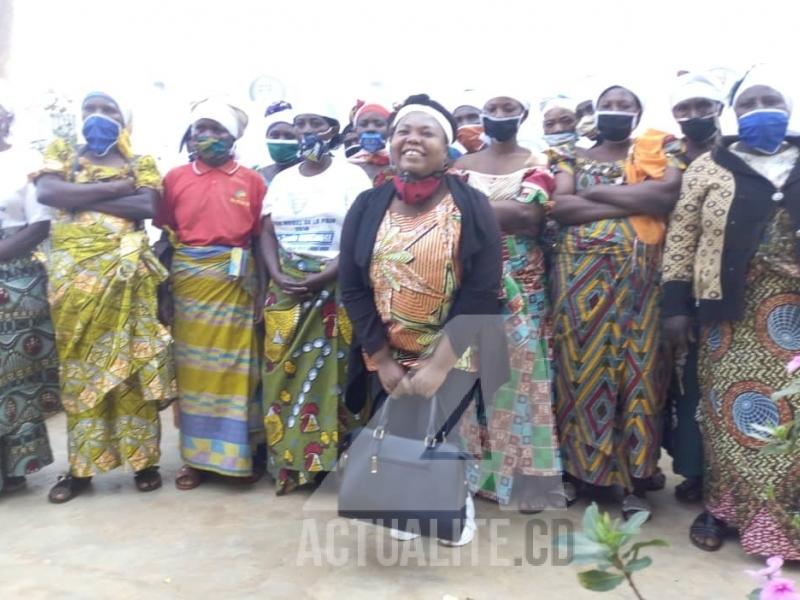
(633, 585)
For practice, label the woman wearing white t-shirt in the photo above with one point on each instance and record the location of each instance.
(28, 362)
(307, 332)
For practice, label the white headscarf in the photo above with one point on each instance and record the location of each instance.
(118, 98)
(627, 85)
(503, 93)
(446, 126)
(232, 118)
(559, 101)
(469, 98)
(320, 108)
(767, 76)
(695, 85)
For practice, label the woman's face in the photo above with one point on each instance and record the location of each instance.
(281, 131)
(559, 120)
(759, 97)
(503, 107)
(695, 108)
(619, 100)
(210, 128)
(100, 105)
(307, 124)
(467, 115)
(372, 122)
(418, 145)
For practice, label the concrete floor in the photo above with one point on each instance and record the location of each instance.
(224, 540)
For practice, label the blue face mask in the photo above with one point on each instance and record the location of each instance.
(101, 134)
(764, 129)
(372, 141)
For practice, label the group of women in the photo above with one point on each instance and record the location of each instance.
(569, 311)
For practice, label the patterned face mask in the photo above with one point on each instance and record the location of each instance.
(313, 148)
(212, 149)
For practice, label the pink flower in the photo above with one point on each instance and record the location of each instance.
(773, 569)
(793, 365)
(779, 588)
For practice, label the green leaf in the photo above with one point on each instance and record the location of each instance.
(634, 551)
(637, 564)
(582, 549)
(591, 520)
(634, 525)
(599, 581)
(755, 594)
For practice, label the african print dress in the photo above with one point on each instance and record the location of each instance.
(115, 358)
(306, 346)
(609, 401)
(307, 339)
(742, 363)
(519, 432)
(216, 356)
(28, 361)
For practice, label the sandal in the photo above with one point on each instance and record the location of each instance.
(12, 484)
(148, 479)
(690, 491)
(188, 478)
(533, 504)
(67, 487)
(633, 504)
(707, 532)
(656, 482)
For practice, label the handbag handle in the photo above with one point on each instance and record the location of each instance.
(383, 422)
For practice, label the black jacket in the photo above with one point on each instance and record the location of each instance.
(480, 255)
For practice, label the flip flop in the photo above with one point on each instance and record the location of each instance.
(188, 478)
(632, 504)
(707, 527)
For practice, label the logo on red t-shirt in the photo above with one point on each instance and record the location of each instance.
(240, 197)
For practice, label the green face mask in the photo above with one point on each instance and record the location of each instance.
(283, 151)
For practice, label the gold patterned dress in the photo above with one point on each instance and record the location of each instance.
(115, 358)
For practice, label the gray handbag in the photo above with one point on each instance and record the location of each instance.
(404, 483)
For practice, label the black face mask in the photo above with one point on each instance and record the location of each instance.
(615, 126)
(700, 129)
(501, 130)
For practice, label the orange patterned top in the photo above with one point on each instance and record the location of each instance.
(414, 274)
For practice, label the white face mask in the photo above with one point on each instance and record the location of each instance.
(559, 139)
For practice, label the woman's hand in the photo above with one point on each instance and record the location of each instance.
(290, 285)
(428, 379)
(678, 334)
(315, 283)
(391, 373)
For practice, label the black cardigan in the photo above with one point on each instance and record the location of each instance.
(751, 211)
(480, 255)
